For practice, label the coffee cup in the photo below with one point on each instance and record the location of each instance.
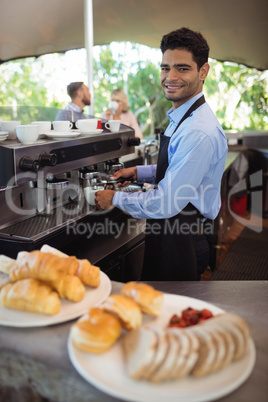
(27, 134)
(43, 126)
(10, 127)
(86, 125)
(62, 125)
(90, 194)
(113, 125)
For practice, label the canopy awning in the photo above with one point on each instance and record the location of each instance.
(236, 30)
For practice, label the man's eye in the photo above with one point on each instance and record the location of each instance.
(164, 69)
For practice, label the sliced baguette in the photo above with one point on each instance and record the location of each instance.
(139, 350)
(160, 353)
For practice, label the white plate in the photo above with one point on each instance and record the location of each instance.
(3, 133)
(3, 138)
(92, 132)
(69, 310)
(62, 135)
(107, 371)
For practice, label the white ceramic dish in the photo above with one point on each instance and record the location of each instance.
(107, 371)
(69, 310)
(4, 133)
(3, 138)
(63, 135)
(92, 132)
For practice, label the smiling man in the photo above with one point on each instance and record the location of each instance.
(188, 173)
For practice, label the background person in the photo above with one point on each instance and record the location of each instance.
(122, 112)
(190, 165)
(80, 97)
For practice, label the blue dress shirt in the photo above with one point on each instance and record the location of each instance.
(71, 112)
(196, 154)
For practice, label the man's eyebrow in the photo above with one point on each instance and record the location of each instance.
(176, 65)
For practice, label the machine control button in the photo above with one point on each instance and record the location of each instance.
(46, 159)
(132, 141)
(28, 164)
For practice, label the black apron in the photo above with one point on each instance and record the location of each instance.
(169, 252)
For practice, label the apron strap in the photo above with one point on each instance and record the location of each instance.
(195, 106)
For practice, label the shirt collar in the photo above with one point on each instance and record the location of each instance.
(176, 115)
(75, 108)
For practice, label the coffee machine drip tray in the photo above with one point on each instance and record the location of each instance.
(43, 225)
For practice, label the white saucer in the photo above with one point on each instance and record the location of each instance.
(63, 135)
(4, 133)
(3, 138)
(92, 132)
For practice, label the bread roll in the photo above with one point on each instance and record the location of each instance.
(149, 299)
(42, 266)
(69, 287)
(97, 332)
(126, 309)
(30, 295)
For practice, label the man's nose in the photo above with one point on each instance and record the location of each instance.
(173, 74)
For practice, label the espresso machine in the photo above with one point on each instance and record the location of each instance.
(43, 201)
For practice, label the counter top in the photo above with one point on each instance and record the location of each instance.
(36, 361)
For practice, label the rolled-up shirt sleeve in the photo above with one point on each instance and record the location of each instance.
(146, 174)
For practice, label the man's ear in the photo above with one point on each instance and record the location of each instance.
(80, 93)
(204, 71)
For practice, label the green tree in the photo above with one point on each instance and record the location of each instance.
(239, 95)
(23, 93)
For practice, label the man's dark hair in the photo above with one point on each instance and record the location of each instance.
(72, 88)
(187, 39)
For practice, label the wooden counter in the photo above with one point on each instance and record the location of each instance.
(34, 361)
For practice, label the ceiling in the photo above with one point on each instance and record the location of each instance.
(236, 30)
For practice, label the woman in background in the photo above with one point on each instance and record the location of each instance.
(119, 110)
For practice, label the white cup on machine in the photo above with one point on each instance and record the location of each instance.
(62, 125)
(113, 125)
(43, 126)
(10, 127)
(87, 125)
(90, 194)
(27, 134)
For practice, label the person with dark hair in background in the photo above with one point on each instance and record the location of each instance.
(188, 173)
(80, 97)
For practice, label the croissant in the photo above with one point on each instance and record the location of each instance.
(43, 266)
(69, 287)
(6, 264)
(30, 295)
(88, 273)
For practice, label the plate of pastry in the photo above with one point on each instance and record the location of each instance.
(155, 363)
(35, 293)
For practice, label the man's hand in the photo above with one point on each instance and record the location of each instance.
(104, 199)
(128, 173)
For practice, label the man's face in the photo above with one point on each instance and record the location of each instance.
(180, 78)
(86, 95)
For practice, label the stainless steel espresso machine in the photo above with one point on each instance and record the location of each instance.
(42, 198)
